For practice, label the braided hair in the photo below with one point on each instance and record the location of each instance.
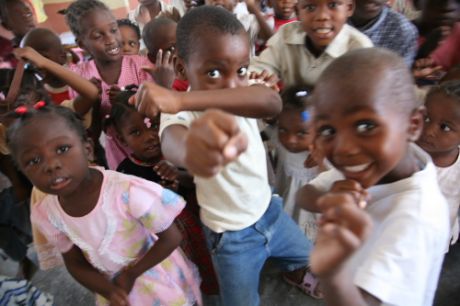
(450, 88)
(24, 115)
(79, 9)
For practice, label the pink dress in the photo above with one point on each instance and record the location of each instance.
(131, 73)
(118, 231)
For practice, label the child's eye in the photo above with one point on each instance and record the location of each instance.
(133, 44)
(365, 126)
(135, 132)
(332, 4)
(62, 149)
(445, 128)
(427, 119)
(214, 74)
(242, 71)
(302, 133)
(114, 30)
(33, 161)
(326, 131)
(310, 7)
(281, 130)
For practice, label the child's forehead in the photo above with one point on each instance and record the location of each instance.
(217, 41)
(96, 18)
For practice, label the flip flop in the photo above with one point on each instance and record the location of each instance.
(309, 285)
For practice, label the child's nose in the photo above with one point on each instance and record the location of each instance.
(322, 12)
(345, 145)
(52, 165)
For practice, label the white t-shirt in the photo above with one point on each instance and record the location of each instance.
(239, 194)
(449, 178)
(401, 260)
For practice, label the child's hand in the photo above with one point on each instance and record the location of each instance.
(113, 92)
(252, 5)
(163, 72)
(118, 297)
(152, 99)
(169, 174)
(97, 83)
(353, 188)
(425, 68)
(213, 141)
(343, 229)
(269, 80)
(30, 55)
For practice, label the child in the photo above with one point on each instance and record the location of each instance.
(366, 120)
(159, 36)
(97, 32)
(292, 153)
(16, 16)
(252, 19)
(244, 225)
(48, 44)
(140, 134)
(441, 139)
(151, 9)
(130, 36)
(283, 12)
(386, 28)
(300, 51)
(115, 232)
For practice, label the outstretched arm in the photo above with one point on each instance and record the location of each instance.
(257, 101)
(89, 93)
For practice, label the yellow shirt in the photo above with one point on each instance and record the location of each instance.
(288, 58)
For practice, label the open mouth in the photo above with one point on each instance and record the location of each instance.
(323, 32)
(113, 51)
(356, 168)
(59, 183)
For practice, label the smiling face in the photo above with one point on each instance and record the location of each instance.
(322, 20)
(293, 133)
(20, 18)
(441, 131)
(100, 36)
(362, 134)
(52, 156)
(284, 9)
(220, 64)
(129, 40)
(140, 134)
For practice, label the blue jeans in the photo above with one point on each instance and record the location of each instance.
(239, 256)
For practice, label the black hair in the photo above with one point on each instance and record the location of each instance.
(449, 88)
(4, 9)
(358, 68)
(149, 32)
(79, 9)
(296, 97)
(72, 120)
(204, 19)
(30, 84)
(132, 25)
(120, 109)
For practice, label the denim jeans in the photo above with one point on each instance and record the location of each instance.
(239, 256)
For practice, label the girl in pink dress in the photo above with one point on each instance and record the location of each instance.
(115, 231)
(96, 31)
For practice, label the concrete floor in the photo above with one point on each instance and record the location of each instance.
(274, 291)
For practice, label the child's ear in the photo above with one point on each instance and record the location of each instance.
(89, 149)
(350, 7)
(179, 68)
(416, 123)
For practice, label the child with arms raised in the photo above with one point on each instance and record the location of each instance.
(115, 232)
(244, 225)
(366, 120)
(441, 139)
(96, 31)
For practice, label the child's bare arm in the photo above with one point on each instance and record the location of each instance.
(257, 101)
(167, 242)
(85, 88)
(265, 31)
(343, 228)
(211, 142)
(95, 281)
(307, 197)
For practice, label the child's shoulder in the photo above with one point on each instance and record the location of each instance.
(290, 33)
(353, 38)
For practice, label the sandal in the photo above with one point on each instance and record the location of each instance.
(309, 285)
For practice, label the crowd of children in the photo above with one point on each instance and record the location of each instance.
(144, 164)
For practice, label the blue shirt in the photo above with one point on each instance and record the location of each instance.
(393, 31)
